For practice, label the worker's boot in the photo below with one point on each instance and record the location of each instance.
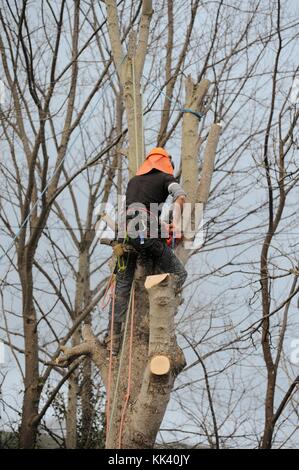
(113, 341)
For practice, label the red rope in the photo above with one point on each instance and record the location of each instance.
(124, 410)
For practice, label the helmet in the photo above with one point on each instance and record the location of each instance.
(158, 151)
(157, 158)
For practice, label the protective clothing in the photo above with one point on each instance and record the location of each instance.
(159, 159)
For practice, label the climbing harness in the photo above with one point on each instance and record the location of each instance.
(119, 250)
(142, 231)
(121, 265)
(146, 220)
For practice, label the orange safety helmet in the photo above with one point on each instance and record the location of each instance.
(159, 159)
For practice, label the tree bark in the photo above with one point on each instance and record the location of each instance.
(32, 387)
(146, 416)
(149, 394)
(195, 94)
(130, 69)
(71, 412)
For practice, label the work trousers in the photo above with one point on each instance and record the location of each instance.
(157, 257)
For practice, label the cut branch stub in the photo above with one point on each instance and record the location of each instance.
(160, 365)
(70, 354)
(90, 347)
(152, 281)
(161, 291)
(147, 7)
(203, 190)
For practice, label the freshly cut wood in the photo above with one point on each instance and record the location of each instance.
(154, 280)
(160, 365)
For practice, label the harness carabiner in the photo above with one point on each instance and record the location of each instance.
(121, 266)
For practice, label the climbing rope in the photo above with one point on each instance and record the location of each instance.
(177, 104)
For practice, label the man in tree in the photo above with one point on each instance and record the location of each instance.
(145, 196)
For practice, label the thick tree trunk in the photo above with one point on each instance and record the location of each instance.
(146, 415)
(72, 402)
(71, 412)
(135, 413)
(32, 388)
(87, 404)
(139, 359)
(149, 394)
(81, 300)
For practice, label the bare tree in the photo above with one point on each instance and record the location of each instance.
(32, 113)
(70, 72)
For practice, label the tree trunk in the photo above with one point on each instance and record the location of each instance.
(81, 300)
(146, 415)
(72, 402)
(71, 413)
(139, 356)
(87, 404)
(135, 413)
(32, 386)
